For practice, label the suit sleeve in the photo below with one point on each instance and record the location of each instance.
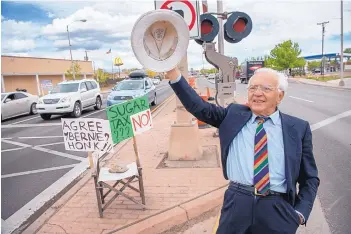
(308, 177)
(193, 103)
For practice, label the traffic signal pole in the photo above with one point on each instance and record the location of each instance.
(220, 42)
(221, 31)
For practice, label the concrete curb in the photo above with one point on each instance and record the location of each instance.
(323, 85)
(176, 215)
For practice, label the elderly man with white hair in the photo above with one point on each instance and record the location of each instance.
(265, 154)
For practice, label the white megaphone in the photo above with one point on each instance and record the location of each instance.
(160, 40)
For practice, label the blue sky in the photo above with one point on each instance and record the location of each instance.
(20, 11)
(39, 28)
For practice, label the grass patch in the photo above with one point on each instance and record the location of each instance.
(324, 78)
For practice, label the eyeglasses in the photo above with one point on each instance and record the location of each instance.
(263, 88)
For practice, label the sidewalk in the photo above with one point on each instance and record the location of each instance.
(173, 196)
(331, 83)
(164, 188)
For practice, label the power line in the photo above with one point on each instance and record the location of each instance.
(323, 31)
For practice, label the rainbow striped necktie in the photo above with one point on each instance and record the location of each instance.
(261, 169)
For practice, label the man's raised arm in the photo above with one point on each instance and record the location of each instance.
(193, 103)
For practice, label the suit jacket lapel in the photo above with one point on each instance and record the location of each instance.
(232, 128)
(289, 139)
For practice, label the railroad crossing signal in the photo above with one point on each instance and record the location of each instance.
(237, 27)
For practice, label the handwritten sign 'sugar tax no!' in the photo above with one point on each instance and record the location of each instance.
(87, 134)
(129, 118)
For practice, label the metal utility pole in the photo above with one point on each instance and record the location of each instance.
(341, 82)
(70, 51)
(69, 43)
(86, 56)
(220, 21)
(323, 31)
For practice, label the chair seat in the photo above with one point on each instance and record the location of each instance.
(105, 175)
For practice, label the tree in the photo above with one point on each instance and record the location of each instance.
(101, 75)
(150, 73)
(313, 65)
(69, 73)
(347, 50)
(268, 61)
(285, 55)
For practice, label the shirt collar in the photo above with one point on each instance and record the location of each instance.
(274, 117)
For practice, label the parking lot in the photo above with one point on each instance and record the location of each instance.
(35, 165)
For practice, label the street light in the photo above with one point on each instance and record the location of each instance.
(341, 82)
(69, 43)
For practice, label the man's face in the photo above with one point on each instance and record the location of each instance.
(263, 93)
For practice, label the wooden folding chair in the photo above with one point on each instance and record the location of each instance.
(102, 176)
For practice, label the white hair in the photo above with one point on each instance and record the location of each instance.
(281, 77)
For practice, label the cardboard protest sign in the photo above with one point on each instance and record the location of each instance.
(141, 122)
(129, 118)
(87, 134)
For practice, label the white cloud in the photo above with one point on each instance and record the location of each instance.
(12, 28)
(18, 45)
(109, 25)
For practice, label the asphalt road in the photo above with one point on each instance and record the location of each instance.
(34, 162)
(332, 144)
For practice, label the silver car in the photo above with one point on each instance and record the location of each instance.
(132, 88)
(18, 103)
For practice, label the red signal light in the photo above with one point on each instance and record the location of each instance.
(206, 27)
(239, 25)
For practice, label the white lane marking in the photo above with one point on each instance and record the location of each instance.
(6, 138)
(23, 214)
(301, 99)
(16, 143)
(58, 153)
(38, 137)
(37, 171)
(57, 143)
(26, 120)
(330, 120)
(70, 156)
(31, 125)
(94, 112)
(7, 150)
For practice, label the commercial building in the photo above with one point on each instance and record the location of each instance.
(37, 74)
(331, 67)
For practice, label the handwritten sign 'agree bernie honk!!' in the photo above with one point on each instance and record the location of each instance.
(87, 134)
(129, 118)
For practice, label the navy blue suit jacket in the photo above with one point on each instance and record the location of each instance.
(300, 166)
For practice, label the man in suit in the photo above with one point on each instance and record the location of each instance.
(264, 153)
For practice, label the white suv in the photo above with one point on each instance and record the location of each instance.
(70, 97)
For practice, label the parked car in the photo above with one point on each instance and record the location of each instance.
(316, 71)
(18, 103)
(132, 88)
(70, 97)
(156, 81)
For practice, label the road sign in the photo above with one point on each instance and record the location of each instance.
(127, 118)
(189, 10)
(88, 134)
